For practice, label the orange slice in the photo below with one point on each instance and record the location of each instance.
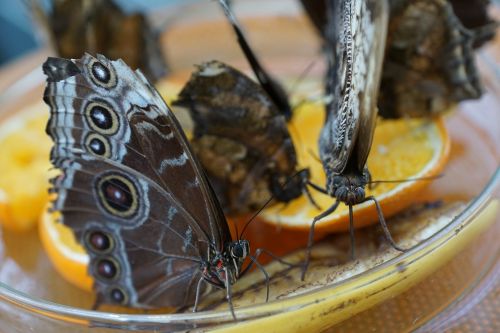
(402, 149)
(24, 165)
(66, 254)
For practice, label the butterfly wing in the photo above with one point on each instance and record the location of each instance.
(129, 188)
(102, 27)
(271, 86)
(429, 63)
(354, 45)
(240, 136)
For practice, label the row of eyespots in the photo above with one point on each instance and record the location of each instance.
(106, 268)
(99, 114)
(116, 193)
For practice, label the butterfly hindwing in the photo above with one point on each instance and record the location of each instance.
(126, 174)
(240, 136)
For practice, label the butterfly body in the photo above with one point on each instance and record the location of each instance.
(241, 138)
(131, 189)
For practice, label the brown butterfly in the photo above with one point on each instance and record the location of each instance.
(354, 46)
(78, 26)
(241, 139)
(132, 190)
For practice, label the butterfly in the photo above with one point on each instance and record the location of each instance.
(241, 139)
(429, 58)
(131, 189)
(241, 134)
(78, 26)
(354, 47)
(429, 64)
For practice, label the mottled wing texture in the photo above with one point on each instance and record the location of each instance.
(354, 46)
(129, 187)
(79, 26)
(429, 64)
(240, 136)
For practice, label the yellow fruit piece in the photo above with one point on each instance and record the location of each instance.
(402, 149)
(24, 165)
(66, 254)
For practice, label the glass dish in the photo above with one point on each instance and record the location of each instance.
(33, 297)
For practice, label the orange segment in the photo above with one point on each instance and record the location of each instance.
(67, 255)
(402, 149)
(24, 166)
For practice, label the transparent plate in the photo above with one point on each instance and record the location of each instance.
(412, 288)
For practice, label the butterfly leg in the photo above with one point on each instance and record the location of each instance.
(351, 233)
(383, 224)
(311, 236)
(197, 298)
(305, 175)
(229, 294)
(317, 188)
(255, 260)
(266, 276)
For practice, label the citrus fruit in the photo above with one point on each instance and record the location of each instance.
(66, 254)
(402, 149)
(24, 165)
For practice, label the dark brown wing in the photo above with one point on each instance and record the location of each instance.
(429, 63)
(240, 136)
(129, 179)
(354, 45)
(271, 86)
(79, 26)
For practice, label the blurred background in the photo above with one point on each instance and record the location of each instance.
(19, 30)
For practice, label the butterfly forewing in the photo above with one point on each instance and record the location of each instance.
(129, 186)
(354, 46)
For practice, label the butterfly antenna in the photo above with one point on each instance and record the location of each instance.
(270, 85)
(256, 214)
(235, 228)
(406, 180)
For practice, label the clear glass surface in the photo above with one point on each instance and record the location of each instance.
(33, 297)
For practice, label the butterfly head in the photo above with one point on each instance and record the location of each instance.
(226, 267)
(348, 187)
